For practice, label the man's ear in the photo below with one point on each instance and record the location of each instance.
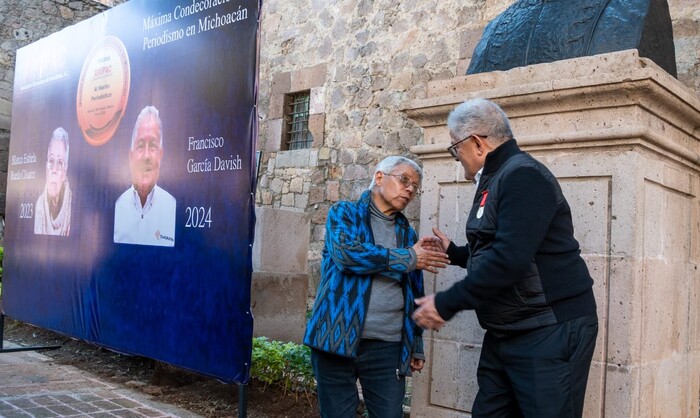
(480, 148)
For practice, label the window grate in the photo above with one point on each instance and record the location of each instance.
(298, 135)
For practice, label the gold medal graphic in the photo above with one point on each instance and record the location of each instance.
(103, 90)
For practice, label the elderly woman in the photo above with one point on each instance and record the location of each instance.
(52, 212)
(361, 326)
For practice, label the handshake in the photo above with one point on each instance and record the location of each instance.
(431, 252)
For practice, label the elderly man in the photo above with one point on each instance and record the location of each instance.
(145, 214)
(53, 207)
(526, 280)
(361, 326)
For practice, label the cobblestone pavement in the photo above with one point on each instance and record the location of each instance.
(32, 385)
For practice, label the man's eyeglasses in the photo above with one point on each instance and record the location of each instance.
(406, 181)
(59, 164)
(452, 149)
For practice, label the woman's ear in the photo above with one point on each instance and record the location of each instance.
(378, 176)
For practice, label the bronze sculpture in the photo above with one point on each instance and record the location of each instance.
(537, 31)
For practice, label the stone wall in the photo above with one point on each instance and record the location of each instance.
(363, 60)
(621, 136)
(374, 56)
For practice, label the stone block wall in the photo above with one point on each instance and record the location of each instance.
(376, 56)
(362, 60)
(621, 136)
(280, 283)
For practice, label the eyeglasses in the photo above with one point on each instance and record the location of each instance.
(59, 164)
(406, 181)
(452, 149)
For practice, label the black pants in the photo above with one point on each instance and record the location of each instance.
(541, 373)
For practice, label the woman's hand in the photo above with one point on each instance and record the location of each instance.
(417, 364)
(430, 255)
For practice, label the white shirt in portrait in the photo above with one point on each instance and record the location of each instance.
(152, 224)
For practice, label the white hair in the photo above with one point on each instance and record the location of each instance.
(389, 163)
(480, 117)
(60, 135)
(149, 112)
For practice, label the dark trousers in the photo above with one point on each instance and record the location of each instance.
(539, 374)
(376, 365)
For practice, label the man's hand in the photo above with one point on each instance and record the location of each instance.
(426, 316)
(430, 260)
(442, 239)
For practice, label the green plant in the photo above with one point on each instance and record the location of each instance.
(268, 361)
(285, 364)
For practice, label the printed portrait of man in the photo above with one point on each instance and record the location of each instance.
(145, 213)
(52, 211)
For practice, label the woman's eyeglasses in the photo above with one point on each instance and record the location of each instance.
(406, 181)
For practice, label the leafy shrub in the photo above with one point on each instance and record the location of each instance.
(285, 364)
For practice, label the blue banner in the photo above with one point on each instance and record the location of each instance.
(130, 206)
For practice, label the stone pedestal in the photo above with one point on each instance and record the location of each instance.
(280, 281)
(623, 138)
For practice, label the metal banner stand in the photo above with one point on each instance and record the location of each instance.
(12, 350)
(242, 400)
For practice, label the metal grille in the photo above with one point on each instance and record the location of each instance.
(298, 135)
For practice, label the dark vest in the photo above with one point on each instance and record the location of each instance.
(523, 306)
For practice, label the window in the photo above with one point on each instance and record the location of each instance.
(297, 121)
(296, 115)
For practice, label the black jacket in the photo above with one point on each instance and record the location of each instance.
(524, 268)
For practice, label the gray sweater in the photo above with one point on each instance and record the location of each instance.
(385, 313)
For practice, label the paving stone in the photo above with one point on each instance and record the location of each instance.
(41, 412)
(106, 405)
(45, 400)
(125, 402)
(16, 414)
(63, 410)
(85, 407)
(33, 386)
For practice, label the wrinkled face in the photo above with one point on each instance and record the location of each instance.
(393, 191)
(55, 168)
(467, 154)
(144, 158)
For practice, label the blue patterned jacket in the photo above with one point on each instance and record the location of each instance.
(350, 259)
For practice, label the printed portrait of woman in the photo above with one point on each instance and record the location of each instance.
(53, 208)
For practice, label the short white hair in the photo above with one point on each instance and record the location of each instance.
(391, 162)
(480, 117)
(149, 112)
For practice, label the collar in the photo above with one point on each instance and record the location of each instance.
(496, 158)
(364, 203)
(477, 176)
(136, 200)
(374, 210)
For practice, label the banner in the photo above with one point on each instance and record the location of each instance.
(130, 197)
